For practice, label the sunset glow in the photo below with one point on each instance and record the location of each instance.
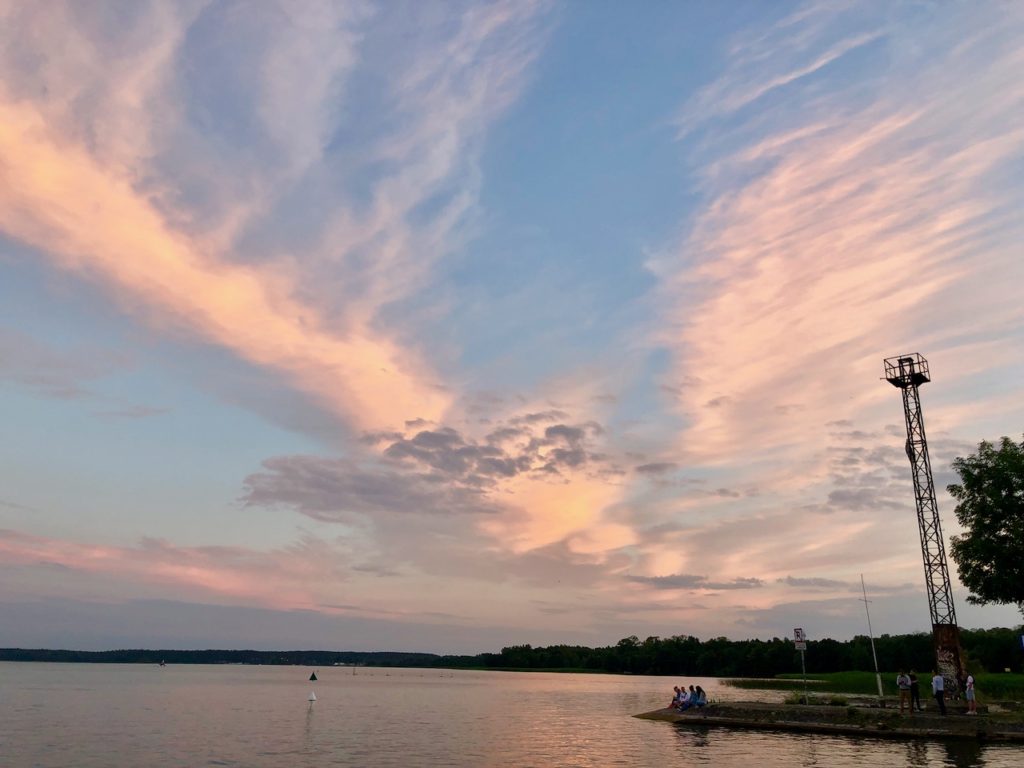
(523, 322)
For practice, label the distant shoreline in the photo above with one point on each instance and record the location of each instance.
(381, 659)
(992, 650)
(215, 656)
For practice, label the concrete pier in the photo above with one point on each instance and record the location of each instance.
(848, 720)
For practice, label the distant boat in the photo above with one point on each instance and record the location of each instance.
(312, 678)
(163, 663)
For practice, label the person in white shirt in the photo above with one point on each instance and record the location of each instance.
(903, 683)
(972, 705)
(687, 699)
(939, 692)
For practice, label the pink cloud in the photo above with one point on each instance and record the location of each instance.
(286, 578)
(854, 240)
(96, 184)
(840, 228)
(56, 197)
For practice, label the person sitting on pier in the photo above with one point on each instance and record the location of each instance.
(702, 698)
(676, 697)
(690, 700)
(684, 699)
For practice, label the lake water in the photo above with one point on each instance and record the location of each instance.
(89, 715)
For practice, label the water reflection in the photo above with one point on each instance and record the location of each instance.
(259, 717)
(810, 756)
(308, 730)
(917, 754)
(693, 738)
(700, 737)
(963, 754)
(724, 746)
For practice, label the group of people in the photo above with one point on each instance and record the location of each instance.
(684, 699)
(910, 692)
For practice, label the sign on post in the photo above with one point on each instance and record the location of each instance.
(800, 641)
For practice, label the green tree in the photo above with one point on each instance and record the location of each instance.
(990, 507)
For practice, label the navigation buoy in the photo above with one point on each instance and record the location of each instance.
(312, 677)
(312, 697)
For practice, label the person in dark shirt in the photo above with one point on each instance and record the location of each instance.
(915, 693)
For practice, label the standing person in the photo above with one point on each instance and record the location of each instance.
(915, 692)
(903, 683)
(972, 705)
(939, 692)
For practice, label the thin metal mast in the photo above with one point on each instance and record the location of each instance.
(908, 372)
(871, 636)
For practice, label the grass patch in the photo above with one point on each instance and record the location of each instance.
(851, 682)
(568, 670)
(830, 700)
(772, 684)
(990, 686)
(1000, 685)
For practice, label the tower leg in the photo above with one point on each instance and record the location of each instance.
(949, 658)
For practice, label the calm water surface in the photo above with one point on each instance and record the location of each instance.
(88, 715)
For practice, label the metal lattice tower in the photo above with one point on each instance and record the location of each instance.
(908, 372)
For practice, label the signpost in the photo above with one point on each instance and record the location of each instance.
(800, 641)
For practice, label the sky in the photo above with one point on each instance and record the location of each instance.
(443, 326)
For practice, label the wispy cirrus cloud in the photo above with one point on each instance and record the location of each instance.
(137, 189)
(92, 222)
(764, 61)
(868, 211)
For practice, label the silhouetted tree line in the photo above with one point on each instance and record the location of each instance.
(989, 650)
(986, 649)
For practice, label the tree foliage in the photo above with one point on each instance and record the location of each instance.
(990, 507)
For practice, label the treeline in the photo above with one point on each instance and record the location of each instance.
(988, 650)
(991, 650)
